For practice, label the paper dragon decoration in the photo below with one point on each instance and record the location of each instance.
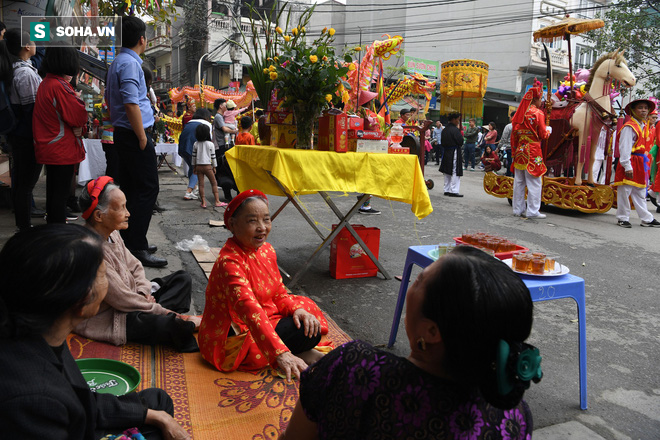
(363, 72)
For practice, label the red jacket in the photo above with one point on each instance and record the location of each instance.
(526, 140)
(57, 110)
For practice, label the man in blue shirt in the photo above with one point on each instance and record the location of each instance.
(132, 118)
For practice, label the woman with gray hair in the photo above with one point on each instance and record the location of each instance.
(135, 309)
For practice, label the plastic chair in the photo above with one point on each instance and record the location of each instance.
(540, 288)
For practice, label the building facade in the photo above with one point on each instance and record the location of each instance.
(498, 33)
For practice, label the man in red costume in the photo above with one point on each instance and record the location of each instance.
(529, 130)
(630, 176)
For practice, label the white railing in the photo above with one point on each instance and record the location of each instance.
(161, 40)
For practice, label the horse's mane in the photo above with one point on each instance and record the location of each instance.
(617, 56)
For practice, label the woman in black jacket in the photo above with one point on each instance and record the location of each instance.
(53, 278)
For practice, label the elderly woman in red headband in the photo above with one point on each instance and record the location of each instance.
(250, 320)
(135, 309)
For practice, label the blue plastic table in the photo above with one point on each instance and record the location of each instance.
(540, 288)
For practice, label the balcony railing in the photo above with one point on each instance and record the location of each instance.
(558, 59)
(158, 45)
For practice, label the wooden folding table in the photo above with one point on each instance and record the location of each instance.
(290, 173)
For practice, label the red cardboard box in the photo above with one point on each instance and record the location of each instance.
(364, 134)
(398, 150)
(355, 123)
(333, 134)
(275, 104)
(348, 259)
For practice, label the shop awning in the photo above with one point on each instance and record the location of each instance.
(93, 66)
(502, 102)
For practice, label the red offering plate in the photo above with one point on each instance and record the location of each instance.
(501, 255)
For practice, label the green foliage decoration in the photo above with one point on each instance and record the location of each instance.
(305, 73)
(632, 25)
(193, 35)
(166, 13)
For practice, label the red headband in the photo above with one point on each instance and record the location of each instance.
(94, 189)
(236, 202)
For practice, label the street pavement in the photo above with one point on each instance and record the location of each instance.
(620, 268)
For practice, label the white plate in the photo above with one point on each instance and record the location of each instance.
(560, 270)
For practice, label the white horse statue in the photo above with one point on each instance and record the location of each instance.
(596, 107)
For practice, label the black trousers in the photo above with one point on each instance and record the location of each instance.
(24, 176)
(152, 398)
(138, 178)
(223, 174)
(149, 329)
(58, 188)
(438, 153)
(509, 159)
(294, 338)
(111, 161)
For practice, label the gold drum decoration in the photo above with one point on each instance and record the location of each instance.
(463, 86)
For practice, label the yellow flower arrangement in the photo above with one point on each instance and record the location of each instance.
(306, 84)
(273, 76)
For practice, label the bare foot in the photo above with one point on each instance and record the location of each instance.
(310, 356)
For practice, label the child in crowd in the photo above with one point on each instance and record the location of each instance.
(254, 131)
(230, 118)
(244, 137)
(205, 163)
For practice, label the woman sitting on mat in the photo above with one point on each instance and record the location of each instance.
(135, 309)
(245, 292)
(53, 277)
(467, 316)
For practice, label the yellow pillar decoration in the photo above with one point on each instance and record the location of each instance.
(463, 86)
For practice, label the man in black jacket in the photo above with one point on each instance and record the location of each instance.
(452, 160)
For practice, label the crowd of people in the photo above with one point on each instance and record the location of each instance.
(96, 285)
(90, 280)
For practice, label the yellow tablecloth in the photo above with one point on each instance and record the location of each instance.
(389, 176)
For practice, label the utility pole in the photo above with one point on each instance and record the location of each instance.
(235, 52)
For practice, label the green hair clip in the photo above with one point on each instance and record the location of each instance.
(522, 365)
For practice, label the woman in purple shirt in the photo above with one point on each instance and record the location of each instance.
(467, 316)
